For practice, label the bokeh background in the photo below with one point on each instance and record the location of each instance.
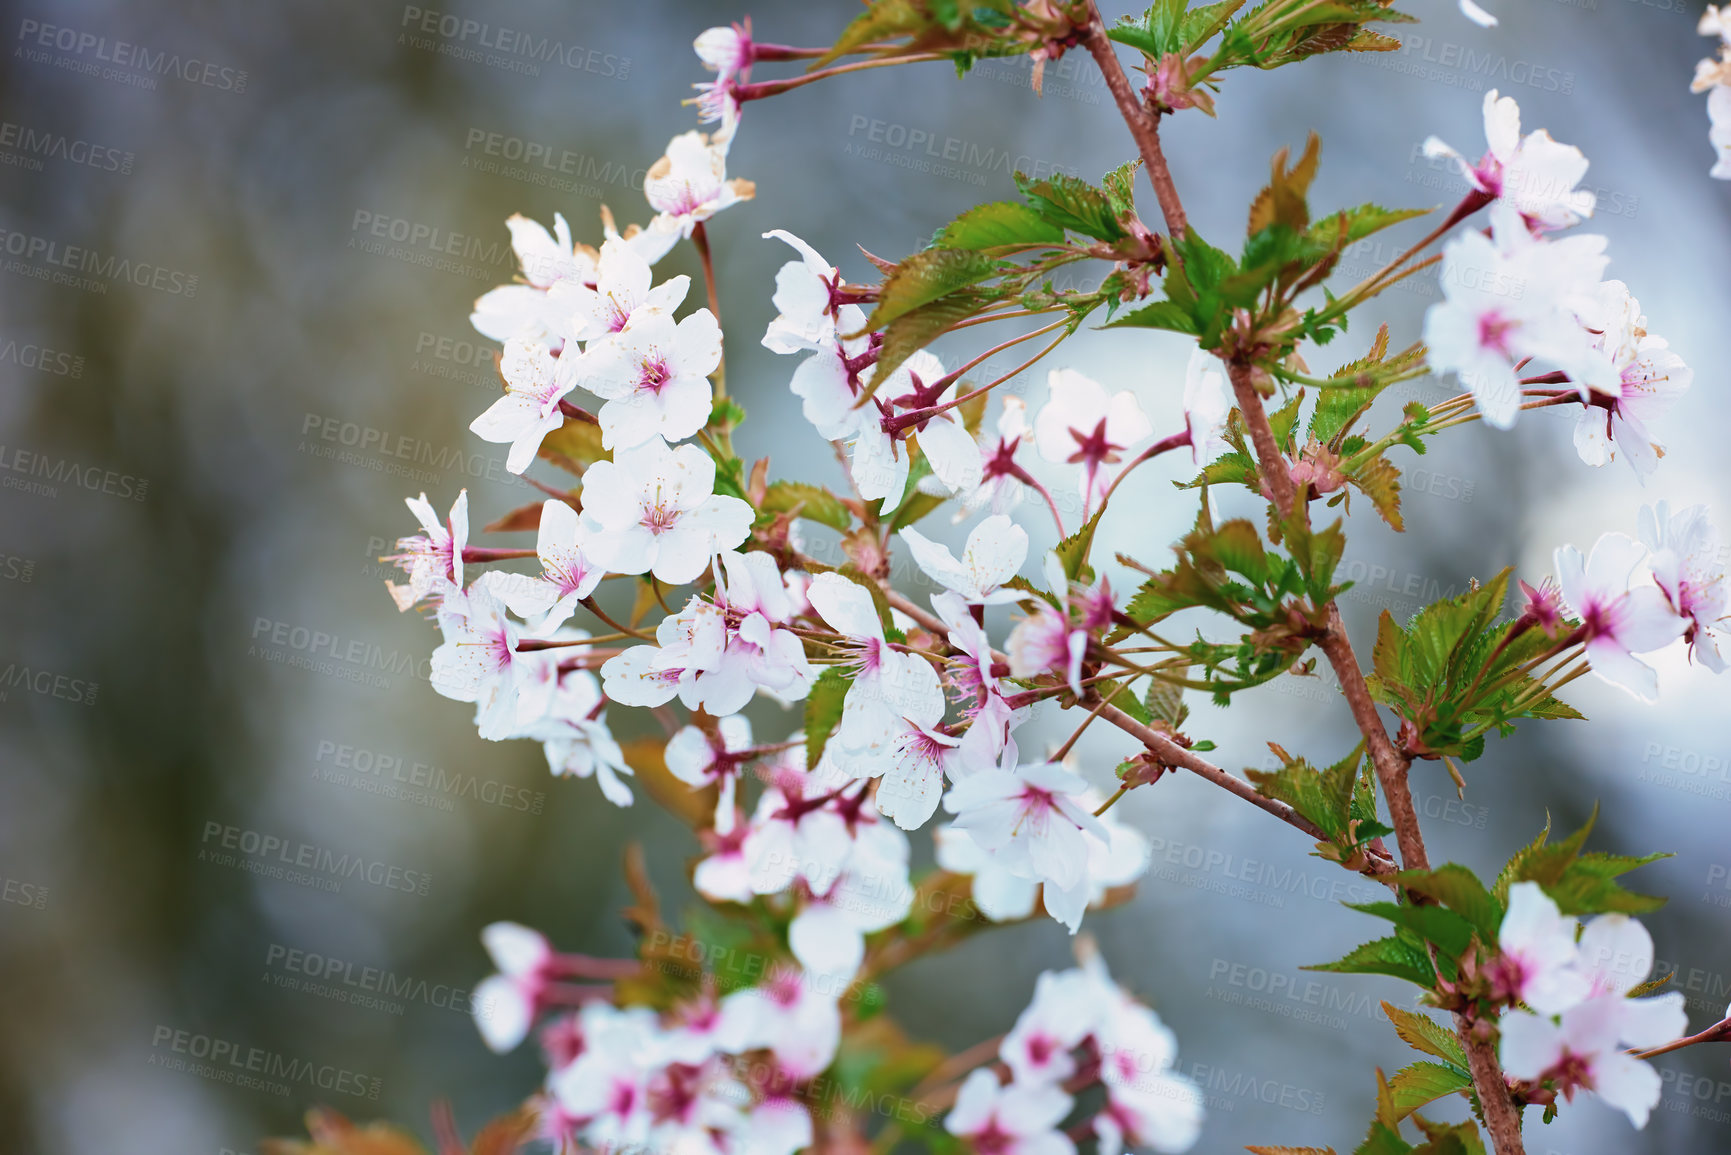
(205, 442)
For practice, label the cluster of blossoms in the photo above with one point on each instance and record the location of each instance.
(1713, 76)
(911, 708)
(1579, 1019)
(1513, 295)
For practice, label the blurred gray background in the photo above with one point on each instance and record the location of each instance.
(209, 424)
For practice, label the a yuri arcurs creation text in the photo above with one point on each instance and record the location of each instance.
(676, 575)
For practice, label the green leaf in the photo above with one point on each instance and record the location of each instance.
(1423, 1033)
(812, 502)
(1448, 930)
(1578, 883)
(1074, 204)
(998, 224)
(1120, 186)
(823, 713)
(882, 20)
(1165, 701)
(1383, 1140)
(1073, 551)
(1402, 956)
(1160, 315)
(1459, 889)
(926, 276)
(919, 327)
(1323, 797)
(1421, 1083)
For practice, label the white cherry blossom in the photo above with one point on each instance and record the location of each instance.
(1030, 819)
(478, 661)
(575, 738)
(792, 1016)
(529, 410)
(567, 573)
(523, 311)
(432, 558)
(1688, 562)
(1538, 953)
(701, 760)
(653, 509)
(505, 1005)
(1002, 478)
(1618, 622)
(1206, 407)
(689, 184)
(871, 892)
(1510, 297)
(654, 376)
(995, 551)
(622, 290)
(1085, 426)
(1586, 1048)
(1532, 173)
(1644, 381)
(1010, 1120)
(1477, 15)
(887, 685)
(806, 301)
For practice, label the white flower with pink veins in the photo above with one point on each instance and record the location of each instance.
(880, 459)
(701, 760)
(654, 509)
(574, 736)
(807, 300)
(432, 558)
(1617, 622)
(1084, 426)
(530, 408)
(1645, 379)
(654, 378)
(1031, 820)
(478, 661)
(621, 292)
(1532, 173)
(887, 683)
(608, 1085)
(1010, 1120)
(689, 184)
(1511, 297)
(1002, 478)
(1689, 564)
(1148, 1105)
(524, 311)
(567, 573)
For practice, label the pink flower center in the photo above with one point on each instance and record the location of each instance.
(659, 518)
(655, 375)
(1494, 332)
(993, 1140)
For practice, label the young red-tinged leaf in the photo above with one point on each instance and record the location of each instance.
(1283, 201)
(520, 520)
(812, 502)
(1070, 203)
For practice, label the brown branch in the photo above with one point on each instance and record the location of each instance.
(1502, 1117)
(1268, 454)
(1143, 123)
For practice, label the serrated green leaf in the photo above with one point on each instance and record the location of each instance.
(1165, 701)
(1073, 551)
(1402, 956)
(998, 224)
(1460, 890)
(1166, 315)
(926, 276)
(916, 329)
(1452, 933)
(1072, 203)
(1422, 1083)
(1120, 187)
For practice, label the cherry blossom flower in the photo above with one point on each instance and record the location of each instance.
(995, 551)
(792, 1016)
(723, 875)
(523, 311)
(1713, 77)
(1010, 1120)
(803, 833)
(1644, 381)
(1084, 425)
(1617, 622)
(1687, 562)
(871, 892)
(1029, 819)
(810, 311)
(1537, 953)
(1147, 1105)
(1039, 1048)
(621, 291)
(689, 184)
(1205, 406)
(654, 375)
(653, 509)
(902, 744)
(974, 679)
(529, 410)
(478, 660)
(433, 558)
(759, 602)
(1002, 478)
(1510, 297)
(1056, 638)
(880, 461)
(887, 685)
(607, 1086)
(505, 1005)
(567, 574)
(701, 760)
(1004, 896)
(651, 242)
(1533, 173)
(575, 738)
